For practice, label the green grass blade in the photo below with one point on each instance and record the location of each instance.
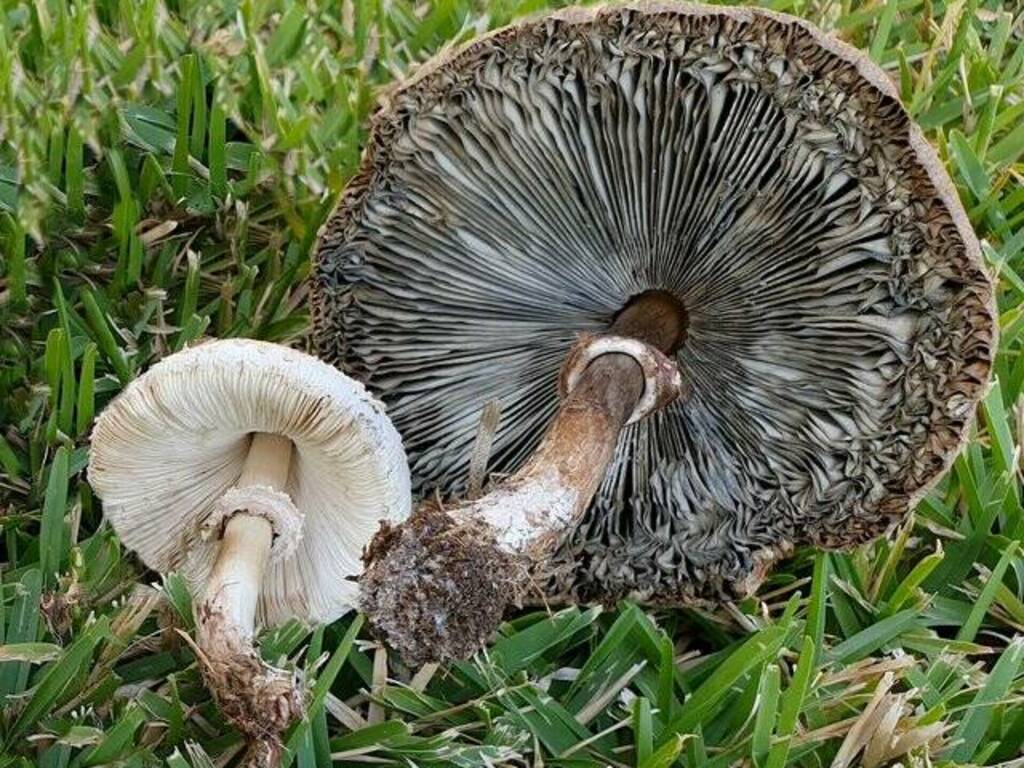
(186, 90)
(85, 408)
(791, 705)
(118, 739)
(321, 688)
(710, 695)
(981, 710)
(764, 722)
(112, 352)
(52, 530)
(872, 638)
(58, 677)
(988, 594)
(643, 730)
(22, 627)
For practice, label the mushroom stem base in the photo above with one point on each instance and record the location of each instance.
(436, 587)
(255, 697)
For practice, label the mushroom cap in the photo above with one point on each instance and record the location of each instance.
(173, 443)
(522, 189)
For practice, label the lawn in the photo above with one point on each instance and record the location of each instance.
(164, 168)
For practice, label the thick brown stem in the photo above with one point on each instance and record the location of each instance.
(532, 509)
(260, 700)
(581, 440)
(655, 317)
(437, 586)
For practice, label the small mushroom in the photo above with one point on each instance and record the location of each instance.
(259, 473)
(757, 175)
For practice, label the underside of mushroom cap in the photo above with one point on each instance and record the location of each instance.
(523, 189)
(167, 452)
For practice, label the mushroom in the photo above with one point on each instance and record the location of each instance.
(739, 166)
(259, 473)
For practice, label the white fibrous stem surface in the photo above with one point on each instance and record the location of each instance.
(257, 698)
(234, 586)
(232, 593)
(521, 512)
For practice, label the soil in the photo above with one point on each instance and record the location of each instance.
(437, 588)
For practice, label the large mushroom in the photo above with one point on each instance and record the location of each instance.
(259, 473)
(754, 176)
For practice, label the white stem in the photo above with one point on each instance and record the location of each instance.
(257, 698)
(234, 586)
(528, 511)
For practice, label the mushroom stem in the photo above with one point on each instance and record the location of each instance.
(531, 510)
(238, 570)
(234, 585)
(437, 586)
(655, 317)
(554, 487)
(260, 700)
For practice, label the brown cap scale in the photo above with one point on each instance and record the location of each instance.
(260, 474)
(524, 189)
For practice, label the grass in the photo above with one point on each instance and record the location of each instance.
(164, 167)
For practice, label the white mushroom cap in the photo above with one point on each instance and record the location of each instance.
(168, 449)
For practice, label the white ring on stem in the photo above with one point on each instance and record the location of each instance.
(663, 381)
